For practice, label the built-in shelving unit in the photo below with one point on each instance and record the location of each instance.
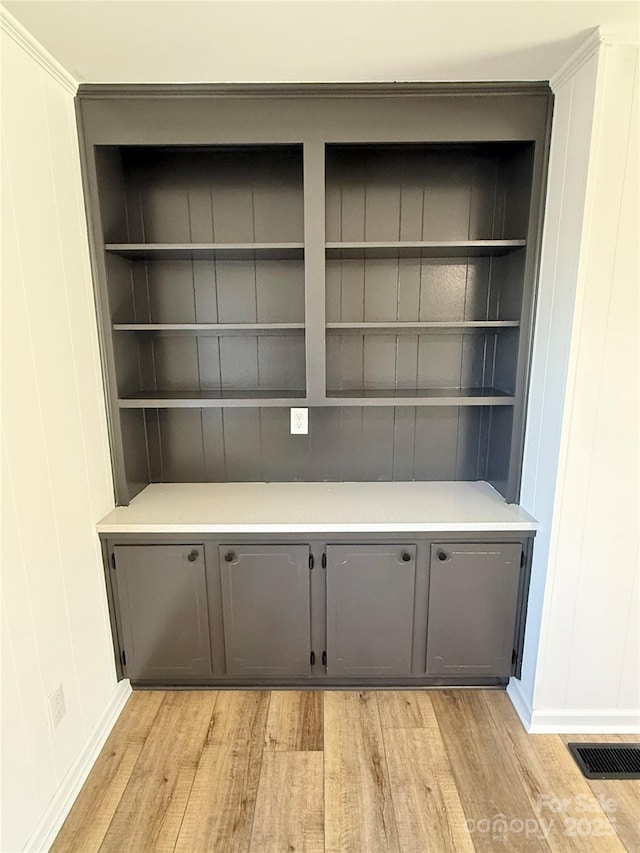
(370, 258)
(206, 275)
(429, 251)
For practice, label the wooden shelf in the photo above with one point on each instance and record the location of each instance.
(423, 249)
(212, 399)
(409, 328)
(420, 397)
(211, 329)
(207, 251)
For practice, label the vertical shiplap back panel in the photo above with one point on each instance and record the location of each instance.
(182, 445)
(243, 450)
(436, 443)
(279, 291)
(171, 291)
(246, 194)
(343, 444)
(215, 464)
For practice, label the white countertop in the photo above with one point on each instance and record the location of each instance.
(317, 508)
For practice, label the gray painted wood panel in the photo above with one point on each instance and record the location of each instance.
(266, 607)
(370, 607)
(396, 192)
(473, 599)
(162, 597)
(220, 175)
(344, 444)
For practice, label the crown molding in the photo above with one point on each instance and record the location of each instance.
(597, 39)
(306, 90)
(23, 38)
(577, 59)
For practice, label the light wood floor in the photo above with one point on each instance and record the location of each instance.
(341, 772)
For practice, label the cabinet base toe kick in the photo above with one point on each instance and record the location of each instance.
(418, 683)
(312, 613)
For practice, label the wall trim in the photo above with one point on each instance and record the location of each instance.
(22, 37)
(60, 806)
(577, 721)
(520, 702)
(309, 90)
(577, 59)
(598, 38)
(572, 721)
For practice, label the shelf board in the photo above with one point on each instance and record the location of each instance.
(420, 397)
(207, 251)
(409, 328)
(286, 399)
(211, 329)
(211, 399)
(423, 249)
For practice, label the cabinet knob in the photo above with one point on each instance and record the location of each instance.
(192, 556)
(229, 557)
(406, 556)
(442, 555)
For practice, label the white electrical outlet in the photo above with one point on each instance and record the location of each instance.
(299, 422)
(57, 708)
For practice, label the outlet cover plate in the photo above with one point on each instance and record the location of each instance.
(299, 421)
(57, 707)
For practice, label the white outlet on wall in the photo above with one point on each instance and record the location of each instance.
(57, 708)
(299, 421)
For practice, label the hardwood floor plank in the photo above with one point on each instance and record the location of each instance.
(150, 812)
(428, 811)
(295, 721)
(488, 783)
(557, 791)
(405, 709)
(619, 798)
(220, 812)
(289, 813)
(358, 807)
(88, 821)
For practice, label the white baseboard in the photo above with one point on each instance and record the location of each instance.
(60, 806)
(573, 720)
(576, 721)
(520, 702)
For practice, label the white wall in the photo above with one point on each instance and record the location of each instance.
(56, 478)
(581, 466)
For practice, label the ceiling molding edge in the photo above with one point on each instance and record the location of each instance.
(22, 37)
(309, 90)
(577, 59)
(600, 37)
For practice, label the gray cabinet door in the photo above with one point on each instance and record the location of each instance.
(370, 601)
(266, 609)
(473, 596)
(162, 596)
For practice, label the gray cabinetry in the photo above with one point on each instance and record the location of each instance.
(387, 609)
(266, 609)
(164, 617)
(370, 605)
(473, 600)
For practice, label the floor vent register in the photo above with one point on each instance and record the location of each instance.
(607, 760)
